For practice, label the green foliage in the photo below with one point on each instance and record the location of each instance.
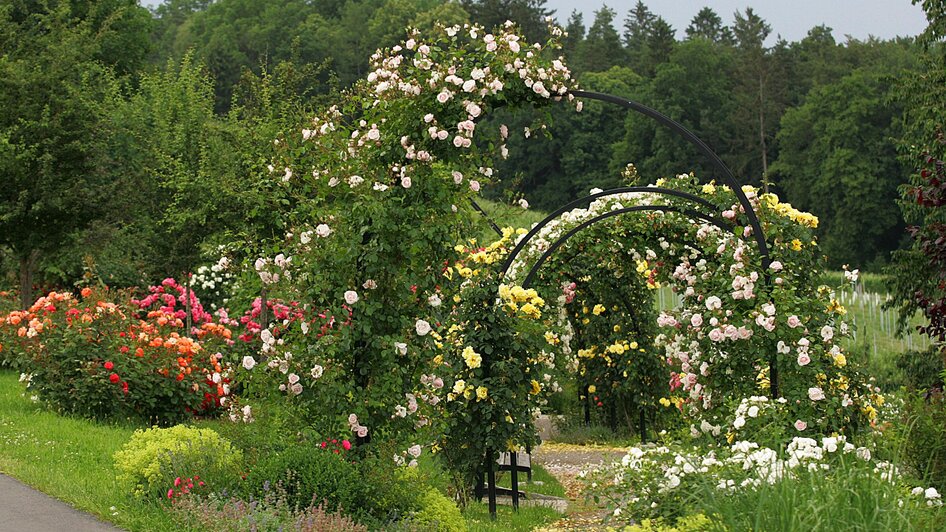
(850, 497)
(922, 370)
(152, 459)
(824, 167)
(688, 89)
(438, 514)
(688, 523)
(917, 271)
(372, 489)
(924, 437)
(52, 155)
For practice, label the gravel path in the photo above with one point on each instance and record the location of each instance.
(565, 462)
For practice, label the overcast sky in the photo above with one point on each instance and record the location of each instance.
(789, 18)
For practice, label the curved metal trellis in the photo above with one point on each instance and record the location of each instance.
(687, 135)
(718, 222)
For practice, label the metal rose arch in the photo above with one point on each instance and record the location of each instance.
(701, 209)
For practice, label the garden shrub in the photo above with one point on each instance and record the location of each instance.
(152, 459)
(372, 489)
(922, 370)
(438, 514)
(924, 440)
(105, 355)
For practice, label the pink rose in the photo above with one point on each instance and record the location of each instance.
(800, 425)
(696, 321)
(803, 359)
(716, 335)
(793, 321)
(475, 185)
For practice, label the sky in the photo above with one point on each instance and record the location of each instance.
(789, 18)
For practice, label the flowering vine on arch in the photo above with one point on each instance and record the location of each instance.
(379, 190)
(719, 339)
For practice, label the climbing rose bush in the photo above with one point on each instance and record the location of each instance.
(496, 364)
(735, 312)
(380, 187)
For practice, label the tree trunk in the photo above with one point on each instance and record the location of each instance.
(27, 269)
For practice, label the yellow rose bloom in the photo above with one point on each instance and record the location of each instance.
(598, 310)
(536, 387)
(592, 389)
(472, 358)
(459, 386)
(481, 393)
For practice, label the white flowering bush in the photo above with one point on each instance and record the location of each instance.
(665, 481)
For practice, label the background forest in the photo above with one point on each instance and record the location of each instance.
(132, 141)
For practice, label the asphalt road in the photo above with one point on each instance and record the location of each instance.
(23, 509)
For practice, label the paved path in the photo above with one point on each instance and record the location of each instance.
(23, 509)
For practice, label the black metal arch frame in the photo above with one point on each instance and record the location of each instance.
(725, 174)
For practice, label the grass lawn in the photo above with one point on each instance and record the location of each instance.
(71, 460)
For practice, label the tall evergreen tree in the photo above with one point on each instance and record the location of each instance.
(601, 48)
(659, 46)
(707, 24)
(575, 31)
(529, 14)
(637, 29)
(756, 116)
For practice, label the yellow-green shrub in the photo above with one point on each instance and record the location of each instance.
(689, 523)
(438, 513)
(153, 458)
